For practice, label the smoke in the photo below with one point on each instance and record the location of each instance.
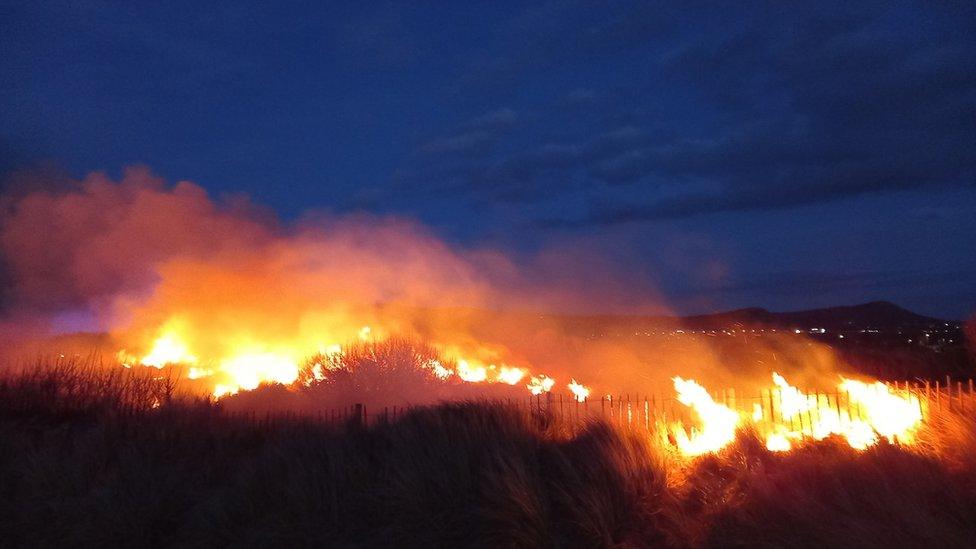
(84, 243)
(141, 258)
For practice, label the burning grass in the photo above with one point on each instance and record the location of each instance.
(117, 456)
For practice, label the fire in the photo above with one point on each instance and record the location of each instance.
(876, 410)
(474, 372)
(333, 349)
(318, 374)
(893, 416)
(438, 369)
(860, 413)
(471, 373)
(249, 370)
(510, 375)
(718, 422)
(873, 411)
(580, 392)
(777, 442)
(540, 384)
(168, 349)
(197, 373)
(246, 364)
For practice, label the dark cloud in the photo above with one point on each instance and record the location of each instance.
(474, 138)
(520, 175)
(774, 108)
(787, 282)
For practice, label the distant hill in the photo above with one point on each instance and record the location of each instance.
(876, 314)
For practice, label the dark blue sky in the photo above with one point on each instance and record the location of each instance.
(762, 154)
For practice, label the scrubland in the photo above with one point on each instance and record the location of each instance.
(103, 456)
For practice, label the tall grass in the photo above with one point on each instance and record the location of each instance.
(82, 386)
(86, 458)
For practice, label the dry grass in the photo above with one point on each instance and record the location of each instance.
(82, 386)
(86, 459)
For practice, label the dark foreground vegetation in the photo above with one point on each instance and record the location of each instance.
(113, 457)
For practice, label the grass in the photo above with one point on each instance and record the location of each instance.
(92, 456)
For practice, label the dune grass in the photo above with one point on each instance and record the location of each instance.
(92, 456)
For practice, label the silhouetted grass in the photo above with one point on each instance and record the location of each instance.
(87, 458)
(82, 387)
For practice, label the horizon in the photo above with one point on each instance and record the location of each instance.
(71, 331)
(489, 274)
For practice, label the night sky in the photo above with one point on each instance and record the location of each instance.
(759, 155)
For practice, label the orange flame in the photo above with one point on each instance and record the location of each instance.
(880, 413)
(580, 392)
(718, 422)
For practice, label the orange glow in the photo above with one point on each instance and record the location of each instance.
(540, 384)
(471, 373)
(168, 348)
(235, 362)
(510, 375)
(892, 415)
(717, 422)
(249, 370)
(580, 392)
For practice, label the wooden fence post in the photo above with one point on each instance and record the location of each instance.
(358, 415)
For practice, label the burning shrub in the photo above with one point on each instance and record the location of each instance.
(392, 371)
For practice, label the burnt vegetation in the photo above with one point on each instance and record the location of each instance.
(117, 456)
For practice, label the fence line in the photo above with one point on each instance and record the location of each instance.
(645, 411)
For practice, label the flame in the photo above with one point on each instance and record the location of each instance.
(333, 349)
(318, 374)
(718, 422)
(510, 375)
(221, 390)
(248, 364)
(757, 412)
(893, 416)
(540, 384)
(877, 412)
(580, 392)
(439, 369)
(871, 411)
(197, 373)
(777, 442)
(168, 348)
(471, 373)
(249, 370)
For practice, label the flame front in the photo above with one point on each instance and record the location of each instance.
(873, 411)
(785, 418)
(246, 364)
(718, 422)
(169, 348)
(892, 416)
(580, 392)
(248, 370)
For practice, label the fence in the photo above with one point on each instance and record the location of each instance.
(644, 411)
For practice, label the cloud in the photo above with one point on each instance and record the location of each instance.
(757, 110)
(525, 175)
(474, 138)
